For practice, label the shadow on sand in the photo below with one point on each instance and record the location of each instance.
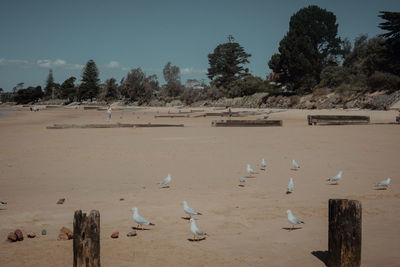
(321, 255)
(380, 188)
(196, 240)
(291, 229)
(140, 229)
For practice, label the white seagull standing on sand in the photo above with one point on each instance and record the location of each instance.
(195, 230)
(250, 170)
(290, 186)
(263, 164)
(167, 180)
(293, 220)
(336, 178)
(295, 166)
(384, 183)
(188, 210)
(139, 219)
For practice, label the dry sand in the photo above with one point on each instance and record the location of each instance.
(94, 168)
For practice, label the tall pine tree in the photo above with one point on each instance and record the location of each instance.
(227, 63)
(89, 87)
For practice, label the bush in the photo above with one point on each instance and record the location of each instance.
(383, 81)
(333, 76)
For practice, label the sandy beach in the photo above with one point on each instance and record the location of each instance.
(95, 168)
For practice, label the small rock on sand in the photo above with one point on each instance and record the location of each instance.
(115, 235)
(68, 232)
(31, 235)
(44, 232)
(19, 235)
(61, 201)
(12, 237)
(132, 233)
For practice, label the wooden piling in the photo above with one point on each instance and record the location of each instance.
(344, 245)
(86, 245)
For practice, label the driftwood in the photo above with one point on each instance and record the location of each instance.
(86, 244)
(171, 116)
(246, 123)
(337, 119)
(111, 125)
(344, 244)
(138, 125)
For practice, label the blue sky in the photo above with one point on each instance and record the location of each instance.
(121, 35)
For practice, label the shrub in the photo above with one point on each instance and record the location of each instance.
(383, 81)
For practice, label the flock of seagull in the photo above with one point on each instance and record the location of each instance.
(250, 171)
(293, 220)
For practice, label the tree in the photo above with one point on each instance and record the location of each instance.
(18, 87)
(226, 63)
(89, 87)
(109, 90)
(68, 89)
(29, 94)
(138, 87)
(49, 89)
(310, 45)
(392, 26)
(173, 87)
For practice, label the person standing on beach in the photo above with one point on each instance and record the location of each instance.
(109, 112)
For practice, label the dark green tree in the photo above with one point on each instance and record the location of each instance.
(28, 95)
(310, 45)
(49, 89)
(138, 87)
(392, 26)
(111, 89)
(89, 87)
(227, 63)
(171, 74)
(68, 89)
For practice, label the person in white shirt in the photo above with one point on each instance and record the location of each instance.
(109, 112)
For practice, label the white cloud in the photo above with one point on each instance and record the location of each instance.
(191, 70)
(113, 65)
(59, 62)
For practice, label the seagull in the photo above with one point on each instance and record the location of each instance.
(293, 220)
(3, 203)
(250, 170)
(167, 180)
(189, 210)
(290, 186)
(336, 178)
(195, 230)
(384, 183)
(295, 166)
(263, 164)
(139, 219)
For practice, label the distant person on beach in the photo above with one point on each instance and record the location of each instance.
(109, 112)
(230, 112)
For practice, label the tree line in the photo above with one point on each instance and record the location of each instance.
(311, 56)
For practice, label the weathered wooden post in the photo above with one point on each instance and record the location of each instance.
(344, 245)
(87, 239)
